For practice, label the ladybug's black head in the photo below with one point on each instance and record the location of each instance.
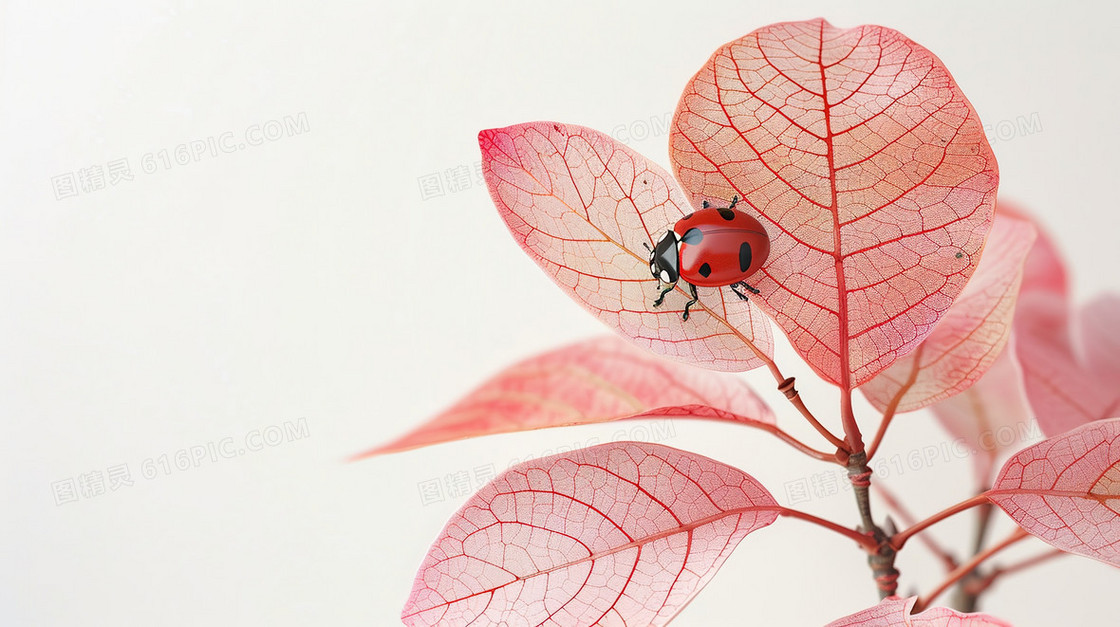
(664, 259)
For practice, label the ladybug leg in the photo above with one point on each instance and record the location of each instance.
(661, 296)
(695, 299)
(741, 295)
(743, 284)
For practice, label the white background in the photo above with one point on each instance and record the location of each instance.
(307, 278)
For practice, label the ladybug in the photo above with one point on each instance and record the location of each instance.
(713, 247)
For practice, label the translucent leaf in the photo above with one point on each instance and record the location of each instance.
(1071, 372)
(867, 166)
(970, 336)
(1066, 490)
(593, 381)
(1098, 334)
(620, 534)
(991, 417)
(893, 611)
(585, 207)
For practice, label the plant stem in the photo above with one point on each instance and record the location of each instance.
(967, 594)
(852, 434)
(862, 539)
(878, 439)
(947, 559)
(795, 443)
(786, 387)
(985, 582)
(881, 556)
(1027, 563)
(901, 537)
(967, 568)
(892, 407)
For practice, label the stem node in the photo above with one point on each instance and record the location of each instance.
(786, 387)
(881, 557)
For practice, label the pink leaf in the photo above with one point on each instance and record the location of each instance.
(1071, 375)
(991, 417)
(618, 534)
(1045, 272)
(584, 207)
(893, 611)
(593, 381)
(870, 172)
(1098, 323)
(969, 336)
(1065, 390)
(1066, 490)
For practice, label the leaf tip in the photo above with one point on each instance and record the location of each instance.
(486, 137)
(357, 457)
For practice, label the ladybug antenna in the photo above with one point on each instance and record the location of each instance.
(647, 247)
(734, 201)
(705, 205)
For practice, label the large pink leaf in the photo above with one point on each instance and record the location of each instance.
(1066, 490)
(592, 381)
(617, 534)
(894, 611)
(870, 171)
(584, 207)
(970, 336)
(991, 418)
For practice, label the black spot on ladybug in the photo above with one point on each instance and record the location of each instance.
(705, 271)
(693, 237)
(959, 255)
(727, 214)
(744, 256)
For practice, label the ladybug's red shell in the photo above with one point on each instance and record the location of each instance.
(720, 246)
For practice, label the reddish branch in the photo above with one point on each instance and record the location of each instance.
(1023, 565)
(892, 408)
(985, 582)
(852, 434)
(862, 539)
(968, 567)
(967, 594)
(794, 442)
(786, 387)
(893, 504)
(901, 537)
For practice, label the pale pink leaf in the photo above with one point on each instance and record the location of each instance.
(1066, 490)
(867, 166)
(970, 336)
(895, 612)
(618, 534)
(991, 418)
(594, 381)
(1044, 274)
(1063, 392)
(584, 207)
(1069, 381)
(1098, 333)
